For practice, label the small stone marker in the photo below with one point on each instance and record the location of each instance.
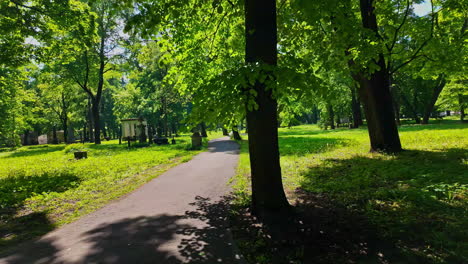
(196, 140)
(81, 155)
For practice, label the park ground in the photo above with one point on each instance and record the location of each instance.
(351, 206)
(43, 187)
(358, 207)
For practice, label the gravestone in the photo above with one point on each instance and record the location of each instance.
(196, 140)
(81, 155)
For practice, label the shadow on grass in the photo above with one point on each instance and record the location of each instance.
(416, 200)
(17, 224)
(198, 236)
(434, 125)
(319, 232)
(308, 132)
(35, 150)
(301, 146)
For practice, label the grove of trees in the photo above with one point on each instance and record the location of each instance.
(80, 66)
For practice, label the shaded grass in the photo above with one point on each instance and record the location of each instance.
(416, 201)
(42, 187)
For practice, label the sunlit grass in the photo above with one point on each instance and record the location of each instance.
(417, 199)
(42, 187)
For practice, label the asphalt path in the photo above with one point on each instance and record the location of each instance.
(179, 217)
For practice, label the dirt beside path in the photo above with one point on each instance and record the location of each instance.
(179, 217)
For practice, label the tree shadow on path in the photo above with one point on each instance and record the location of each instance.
(198, 236)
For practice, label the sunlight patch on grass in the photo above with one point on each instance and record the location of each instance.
(418, 199)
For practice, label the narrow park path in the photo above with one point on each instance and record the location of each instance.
(179, 217)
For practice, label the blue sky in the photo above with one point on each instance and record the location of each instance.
(422, 9)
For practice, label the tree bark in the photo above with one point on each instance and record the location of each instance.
(235, 134)
(331, 116)
(203, 129)
(462, 105)
(268, 197)
(97, 123)
(375, 91)
(435, 95)
(104, 131)
(90, 121)
(65, 130)
(315, 115)
(54, 135)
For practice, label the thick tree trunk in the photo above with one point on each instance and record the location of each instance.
(225, 132)
(203, 129)
(26, 138)
(315, 115)
(54, 135)
(435, 95)
(150, 134)
(236, 135)
(104, 130)
(268, 197)
(375, 91)
(462, 105)
(417, 119)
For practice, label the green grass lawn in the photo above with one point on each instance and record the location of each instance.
(417, 200)
(42, 187)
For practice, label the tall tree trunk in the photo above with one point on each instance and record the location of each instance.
(375, 91)
(90, 122)
(97, 123)
(235, 134)
(64, 117)
(54, 135)
(435, 95)
(462, 105)
(315, 115)
(415, 111)
(268, 197)
(65, 130)
(26, 138)
(331, 116)
(104, 131)
(203, 129)
(150, 134)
